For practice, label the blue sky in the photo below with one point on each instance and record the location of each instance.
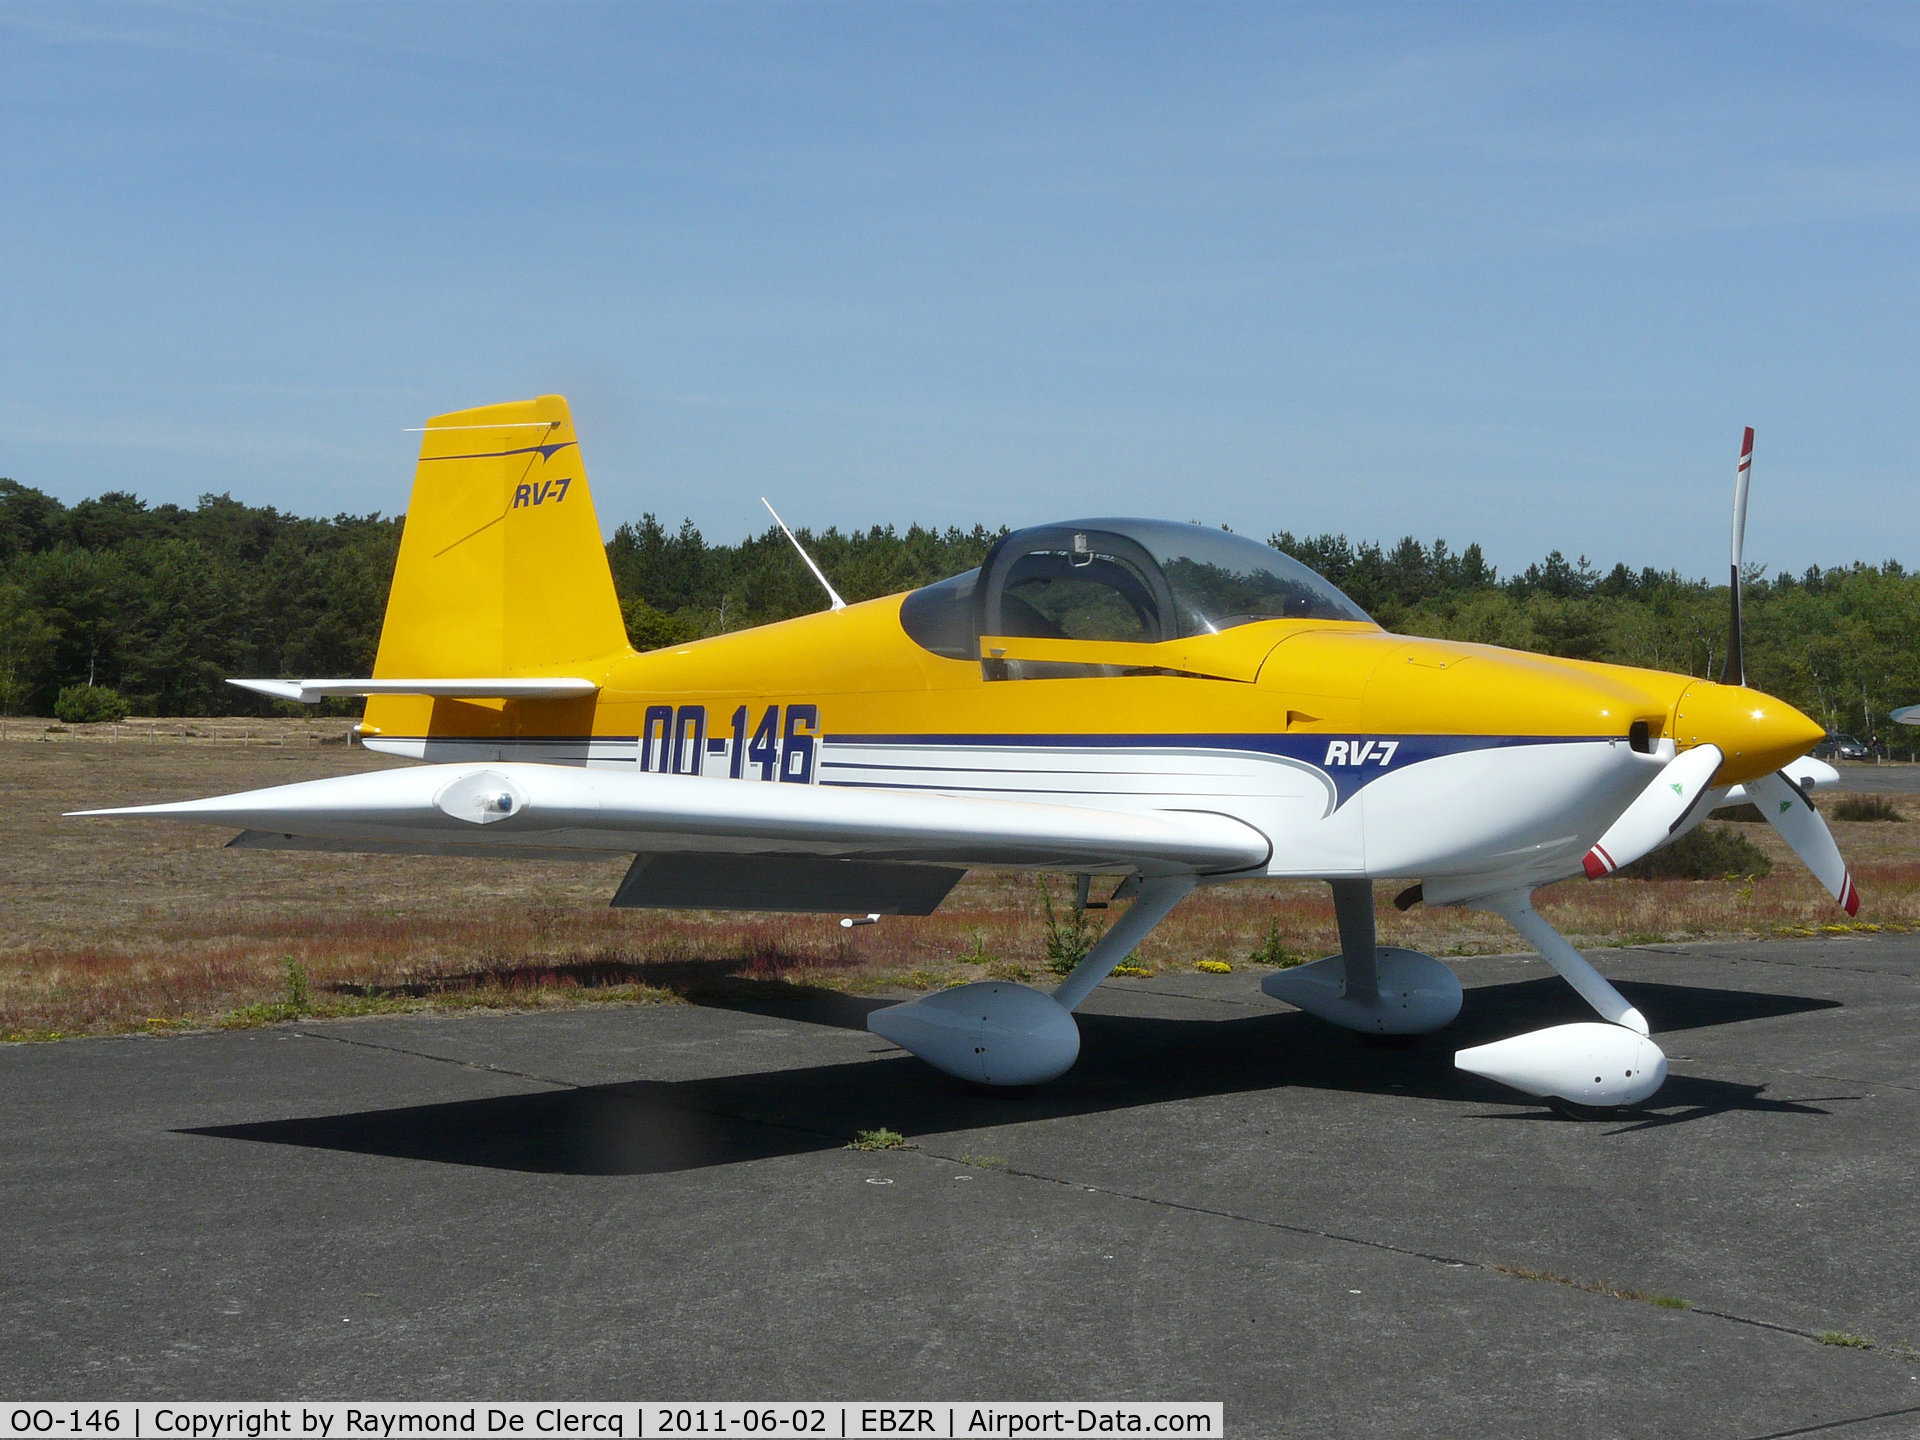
(1509, 273)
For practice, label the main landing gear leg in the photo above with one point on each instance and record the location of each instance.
(1585, 1069)
(1372, 989)
(999, 1033)
(1150, 906)
(1359, 946)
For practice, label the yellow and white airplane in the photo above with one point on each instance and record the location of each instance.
(1161, 703)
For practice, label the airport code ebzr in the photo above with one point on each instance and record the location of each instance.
(422, 1420)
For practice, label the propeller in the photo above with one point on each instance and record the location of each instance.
(1661, 811)
(1657, 812)
(1790, 811)
(1735, 672)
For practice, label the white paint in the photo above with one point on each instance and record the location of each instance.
(1516, 908)
(1586, 1063)
(592, 809)
(1675, 795)
(1805, 832)
(1513, 809)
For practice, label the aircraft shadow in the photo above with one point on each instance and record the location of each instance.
(655, 1127)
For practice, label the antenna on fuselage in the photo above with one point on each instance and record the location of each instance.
(832, 594)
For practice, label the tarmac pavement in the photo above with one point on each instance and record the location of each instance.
(1225, 1199)
(1892, 778)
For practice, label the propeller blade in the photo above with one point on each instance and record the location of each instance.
(1736, 671)
(1790, 810)
(1657, 812)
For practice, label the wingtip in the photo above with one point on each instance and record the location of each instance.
(1849, 896)
(1596, 864)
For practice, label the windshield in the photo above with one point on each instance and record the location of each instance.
(1118, 580)
(1220, 579)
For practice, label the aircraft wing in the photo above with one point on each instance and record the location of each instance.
(471, 808)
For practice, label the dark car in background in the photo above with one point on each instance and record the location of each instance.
(1842, 747)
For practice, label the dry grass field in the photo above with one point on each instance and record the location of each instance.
(124, 925)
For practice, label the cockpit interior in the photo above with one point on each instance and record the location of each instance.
(1125, 581)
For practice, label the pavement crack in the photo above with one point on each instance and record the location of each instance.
(1868, 1085)
(441, 1059)
(1206, 999)
(1452, 1262)
(1827, 1425)
(1679, 952)
(1313, 1232)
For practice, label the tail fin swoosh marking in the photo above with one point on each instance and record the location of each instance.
(545, 452)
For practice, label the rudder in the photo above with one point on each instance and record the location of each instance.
(502, 569)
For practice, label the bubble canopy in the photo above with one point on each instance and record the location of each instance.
(1117, 579)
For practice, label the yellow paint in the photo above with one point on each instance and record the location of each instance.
(1234, 654)
(1757, 733)
(485, 587)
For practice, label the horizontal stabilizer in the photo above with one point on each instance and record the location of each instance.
(518, 805)
(312, 692)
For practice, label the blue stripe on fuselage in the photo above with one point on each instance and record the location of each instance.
(1332, 755)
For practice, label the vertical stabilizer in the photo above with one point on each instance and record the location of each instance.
(502, 569)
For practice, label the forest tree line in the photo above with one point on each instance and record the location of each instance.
(159, 604)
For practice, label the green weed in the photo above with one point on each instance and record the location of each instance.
(1276, 952)
(1069, 937)
(1594, 1287)
(976, 952)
